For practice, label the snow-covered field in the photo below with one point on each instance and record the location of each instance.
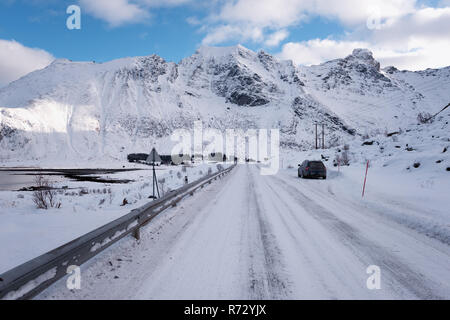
(27, 232)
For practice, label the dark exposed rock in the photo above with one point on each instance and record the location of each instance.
(6, 132)
(245, 99)
(391, 70)
(239, 86)
(148, 68)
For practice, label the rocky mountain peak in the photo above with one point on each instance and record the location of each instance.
(365, 56)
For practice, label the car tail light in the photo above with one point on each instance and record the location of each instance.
(307, 168)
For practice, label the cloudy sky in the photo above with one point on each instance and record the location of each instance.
(410, 34)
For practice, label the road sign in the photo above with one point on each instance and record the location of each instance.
(153, 157)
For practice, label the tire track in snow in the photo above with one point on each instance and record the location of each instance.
(366, 250)
(303, 248)
(312, 251)
(272, 283)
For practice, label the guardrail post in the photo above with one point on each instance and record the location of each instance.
(137, 233)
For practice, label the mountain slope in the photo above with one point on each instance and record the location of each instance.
(85, 110)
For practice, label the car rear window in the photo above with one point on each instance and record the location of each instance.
(316, 165)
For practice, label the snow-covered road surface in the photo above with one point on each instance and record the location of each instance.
(249, 236)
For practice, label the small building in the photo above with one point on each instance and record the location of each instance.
(166, 160)
(137, 157)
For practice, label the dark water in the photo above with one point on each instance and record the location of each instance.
(23, 178)
(15, 180)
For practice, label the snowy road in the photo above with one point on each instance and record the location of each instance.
(267, 237)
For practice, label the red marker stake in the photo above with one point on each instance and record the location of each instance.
(365, 179)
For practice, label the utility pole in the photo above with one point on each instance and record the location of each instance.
(323, 136)
(317, 135)
(317, 147)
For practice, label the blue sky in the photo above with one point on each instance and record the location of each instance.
(402, 32)
(42, 24)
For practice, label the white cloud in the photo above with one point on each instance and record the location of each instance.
(115, 12)
(275, 38)
(120, 12)
(274, 17)
(226, 33)
(432, 55)
(262, 13)
(164, 3)
(415, 42)
(317, 51)
(17, 60)
(193, 21)
(352, 12)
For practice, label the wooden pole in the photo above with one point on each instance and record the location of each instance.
(365, 179)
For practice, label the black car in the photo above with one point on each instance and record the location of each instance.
(312, 169)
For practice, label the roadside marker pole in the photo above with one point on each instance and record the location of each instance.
(365, 179)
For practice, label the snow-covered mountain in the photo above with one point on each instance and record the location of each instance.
(86, 110)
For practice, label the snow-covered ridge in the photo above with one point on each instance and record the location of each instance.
(89, 110)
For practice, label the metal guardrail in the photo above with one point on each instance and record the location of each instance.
(29, 279)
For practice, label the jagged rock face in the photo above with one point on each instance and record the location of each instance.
(359, 67)
(239, 86)
(231, 78)
(145, 68)
(366, 56)
(91, 110)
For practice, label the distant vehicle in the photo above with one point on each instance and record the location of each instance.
(312, 169)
